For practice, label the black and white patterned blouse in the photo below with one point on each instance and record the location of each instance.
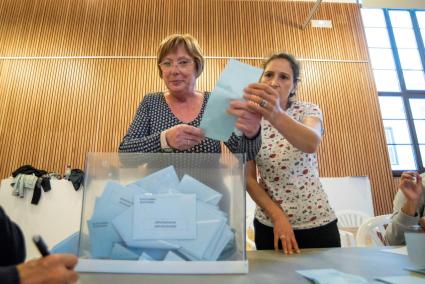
(154, 116)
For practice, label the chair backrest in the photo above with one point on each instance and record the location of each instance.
(372, 231)
(353, 193)
(351, 218)
(250, 243)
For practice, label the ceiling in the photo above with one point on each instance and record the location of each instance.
(405, 4)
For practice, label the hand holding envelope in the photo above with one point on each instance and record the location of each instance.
(247, 121)
(216, 122)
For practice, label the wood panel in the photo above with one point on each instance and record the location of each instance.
(135, 28)
(53, 111)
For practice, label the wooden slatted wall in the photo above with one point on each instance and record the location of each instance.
(54, 110)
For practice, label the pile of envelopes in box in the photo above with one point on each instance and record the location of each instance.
(159, 218)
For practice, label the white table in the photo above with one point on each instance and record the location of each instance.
(274, 267)
(56, 216)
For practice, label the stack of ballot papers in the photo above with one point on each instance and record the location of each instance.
(159, 218)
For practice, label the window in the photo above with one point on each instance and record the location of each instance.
(396, 40)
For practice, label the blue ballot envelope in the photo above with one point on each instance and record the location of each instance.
(203, 192)
(121, 252)
(331, 276)
(216, 122)
(162, 181)
(102, 236)
(68, 245)
(114, 200)
(210, 224)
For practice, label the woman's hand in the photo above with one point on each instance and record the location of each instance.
(52, 269)
(247, 121)
(265, 100)
(283, 232)
(411, 186)
(183, 136)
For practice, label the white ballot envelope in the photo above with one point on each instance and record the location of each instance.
(164, 217)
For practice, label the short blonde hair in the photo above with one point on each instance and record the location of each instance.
(172, 42)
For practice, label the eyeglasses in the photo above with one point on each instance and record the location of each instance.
(181, 64)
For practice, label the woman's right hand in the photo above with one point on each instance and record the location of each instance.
(183, 136)
(283, 232)
(411, 186)
(265, 100)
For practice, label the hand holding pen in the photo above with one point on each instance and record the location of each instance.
(41, 245)
(49, 269)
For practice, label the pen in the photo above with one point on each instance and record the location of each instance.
(41, 245)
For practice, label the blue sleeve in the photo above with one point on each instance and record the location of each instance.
(139, 137)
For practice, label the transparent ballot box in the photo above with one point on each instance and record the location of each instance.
(173, 213)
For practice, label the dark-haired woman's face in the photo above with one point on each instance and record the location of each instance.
(278, 74)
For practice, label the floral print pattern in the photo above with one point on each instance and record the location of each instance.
(291, 177)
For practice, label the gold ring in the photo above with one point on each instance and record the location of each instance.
(282, 237)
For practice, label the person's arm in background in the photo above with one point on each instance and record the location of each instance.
(405, 214)
(12, 249)
(282, 227)
(12, 244)
(139, 137)
(52, 269)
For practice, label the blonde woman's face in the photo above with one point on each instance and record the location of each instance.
(179, 71)
(278, 74)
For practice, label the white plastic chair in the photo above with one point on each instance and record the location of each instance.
(250, 234)
(372, 231)
(351, 218)
(348, 223)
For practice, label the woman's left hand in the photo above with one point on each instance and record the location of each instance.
(247, 121)
(264, 100)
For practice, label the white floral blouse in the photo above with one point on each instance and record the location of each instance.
(291, 177)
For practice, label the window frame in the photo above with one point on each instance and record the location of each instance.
(404, 93)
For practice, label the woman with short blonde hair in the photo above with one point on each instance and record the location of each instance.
(191, 45)
(169, 121)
